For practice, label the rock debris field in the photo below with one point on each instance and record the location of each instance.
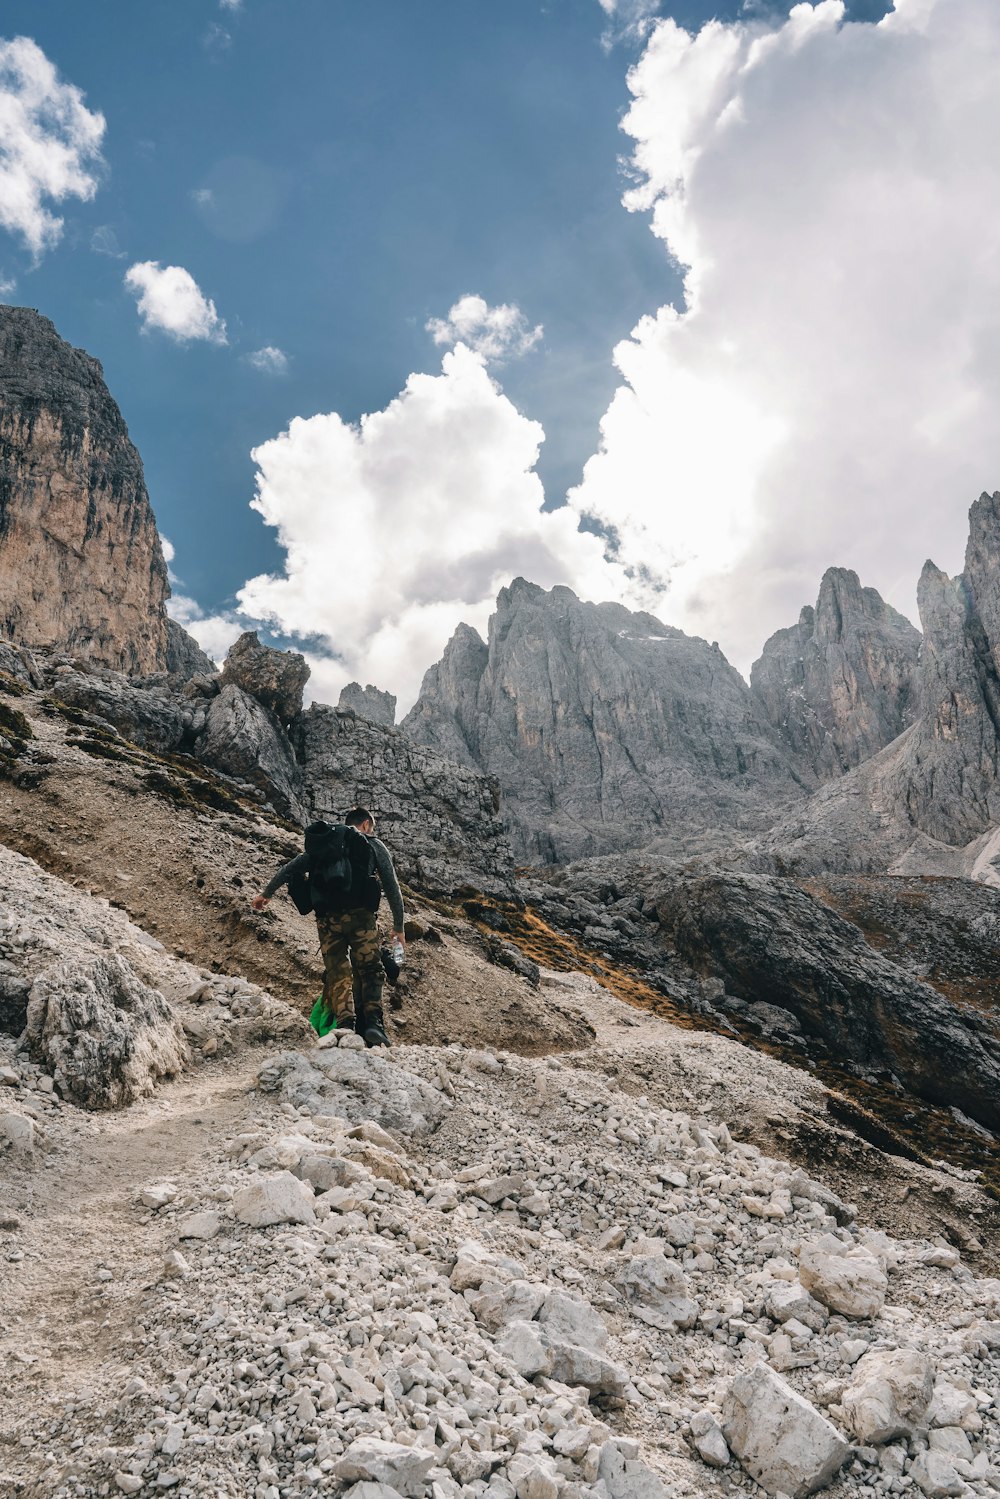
(299, 1269)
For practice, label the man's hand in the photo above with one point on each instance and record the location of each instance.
(260, 901)
(398, 937)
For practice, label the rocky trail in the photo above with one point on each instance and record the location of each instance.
(446, 1270)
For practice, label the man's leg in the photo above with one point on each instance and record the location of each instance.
(338, 989)
(368, 966)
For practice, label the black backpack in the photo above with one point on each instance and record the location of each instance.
(341, 875)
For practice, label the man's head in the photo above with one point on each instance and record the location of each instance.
(362, 819)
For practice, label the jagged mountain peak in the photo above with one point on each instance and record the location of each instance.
(841, 683)
(81, 566)
(604, 726)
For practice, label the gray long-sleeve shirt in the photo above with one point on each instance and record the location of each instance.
(386, 874)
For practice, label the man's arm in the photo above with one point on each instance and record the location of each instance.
(285, 873)
(390, 884)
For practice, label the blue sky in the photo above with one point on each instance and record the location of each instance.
(370, 163)
(333, 174)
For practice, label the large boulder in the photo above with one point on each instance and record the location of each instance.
(356, 1086)
(274, 678)
(147, 716)
(849, 1281)
(781, 1440)
(768, 938)
(888, 1395)
(244, 738)
(656, 1290)
(105, 1036)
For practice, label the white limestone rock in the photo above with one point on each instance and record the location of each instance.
(517, 1301)
(849, 1281)
(523, 1346)
(936, 1476)
(709, 1442)
(569, 1319)
(371, 1460)
(534, 1476)
(780, 1439)
(19, 1130)
(888, 1395)
(625, 1475)
(275, 1199)
(657, 1292)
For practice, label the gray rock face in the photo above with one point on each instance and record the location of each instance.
(149, 717)
(936, 788)
(767, 937)
(369, 702)
(81, 565)
(440, 820)
(244, 738)
(275, 678)
(604, 728)
(104, 1034)
(185, 657)
(842, 683)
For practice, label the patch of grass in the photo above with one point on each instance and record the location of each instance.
(194, 794)
(11, 685)
(14, 724)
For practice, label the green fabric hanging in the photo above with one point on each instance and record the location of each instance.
(322, 1022)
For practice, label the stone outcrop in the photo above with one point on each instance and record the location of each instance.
(605, 728)
(779, 1437)
(768, 939)
(106, 1036)
(841, 683)
(369, 702)
(81, 565)
(275, 678)
(923, 802)
(185, 657)
(440, 820)
(243, 738)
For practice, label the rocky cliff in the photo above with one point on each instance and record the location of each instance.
(929, 802)
(440, 820)
(80, 560)
(605, 728)
(841, 683)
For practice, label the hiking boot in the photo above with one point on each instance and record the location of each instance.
(375, 1029)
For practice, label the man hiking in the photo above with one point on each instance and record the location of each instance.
(345, 869)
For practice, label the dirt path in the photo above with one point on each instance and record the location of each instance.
(64, 1327)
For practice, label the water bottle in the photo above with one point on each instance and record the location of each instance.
(398, 953)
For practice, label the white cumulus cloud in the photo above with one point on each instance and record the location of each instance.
(169, 298)
(400, 527)
(828, 392)
(269, 360)
(49, 144)
(494, 333)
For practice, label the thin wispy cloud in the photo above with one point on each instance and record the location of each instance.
(627, 20)
(104, 241)
(269, 360)
(494, 333)
(170, 300)
(50, 145)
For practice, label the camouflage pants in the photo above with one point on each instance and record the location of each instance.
(350, 945)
